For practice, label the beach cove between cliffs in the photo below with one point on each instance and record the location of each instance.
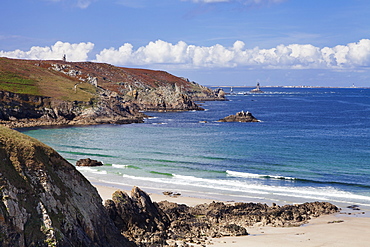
(310, 145)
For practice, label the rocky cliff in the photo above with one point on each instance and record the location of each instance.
(45, 201)
(61, 93)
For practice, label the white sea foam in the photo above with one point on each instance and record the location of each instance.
(90, 169)
(119, 166)
(252, 175)
(243, 187)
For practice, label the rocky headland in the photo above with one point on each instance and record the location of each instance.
(44, 93)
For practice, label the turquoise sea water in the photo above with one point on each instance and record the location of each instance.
(311, 144)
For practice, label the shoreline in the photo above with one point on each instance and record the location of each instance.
(348, 227)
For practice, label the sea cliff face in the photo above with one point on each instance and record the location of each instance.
(45, 201)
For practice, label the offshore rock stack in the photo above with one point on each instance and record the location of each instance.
(242, 117)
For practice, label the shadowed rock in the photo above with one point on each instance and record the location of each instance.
(138, 218)
(88, 162)
(151, 224)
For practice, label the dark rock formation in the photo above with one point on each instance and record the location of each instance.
(22, 110)
(88, 162)
(138, 218)
(46, 201)
(240, 117)
(150, 224)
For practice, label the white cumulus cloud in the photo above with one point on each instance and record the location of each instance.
(74, 52)
(183, 55)
(294, 56)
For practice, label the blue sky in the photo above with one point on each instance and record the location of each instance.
(213, 42)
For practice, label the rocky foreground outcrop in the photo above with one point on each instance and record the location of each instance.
(242, 117)
(153, 224)
(45, 201)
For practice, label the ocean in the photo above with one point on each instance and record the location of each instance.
(312, 144)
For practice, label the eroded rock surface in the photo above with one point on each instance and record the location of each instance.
(138, 218)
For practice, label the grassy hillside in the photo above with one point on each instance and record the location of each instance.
(57, 79)
(35, 78)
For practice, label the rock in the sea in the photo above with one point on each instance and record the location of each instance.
(240, 117)
(88, 162)
(46, 201)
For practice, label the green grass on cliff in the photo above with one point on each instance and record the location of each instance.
(15, 83)
(34, 78)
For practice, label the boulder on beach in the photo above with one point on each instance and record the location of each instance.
(240, 117)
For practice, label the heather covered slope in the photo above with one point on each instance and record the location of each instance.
(46, 201)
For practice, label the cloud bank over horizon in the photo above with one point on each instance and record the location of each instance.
(184, 56)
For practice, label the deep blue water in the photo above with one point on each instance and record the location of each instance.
(311, 144)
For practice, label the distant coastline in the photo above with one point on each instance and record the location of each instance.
(298, 86)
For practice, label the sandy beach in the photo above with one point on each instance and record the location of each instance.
(346, 228)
